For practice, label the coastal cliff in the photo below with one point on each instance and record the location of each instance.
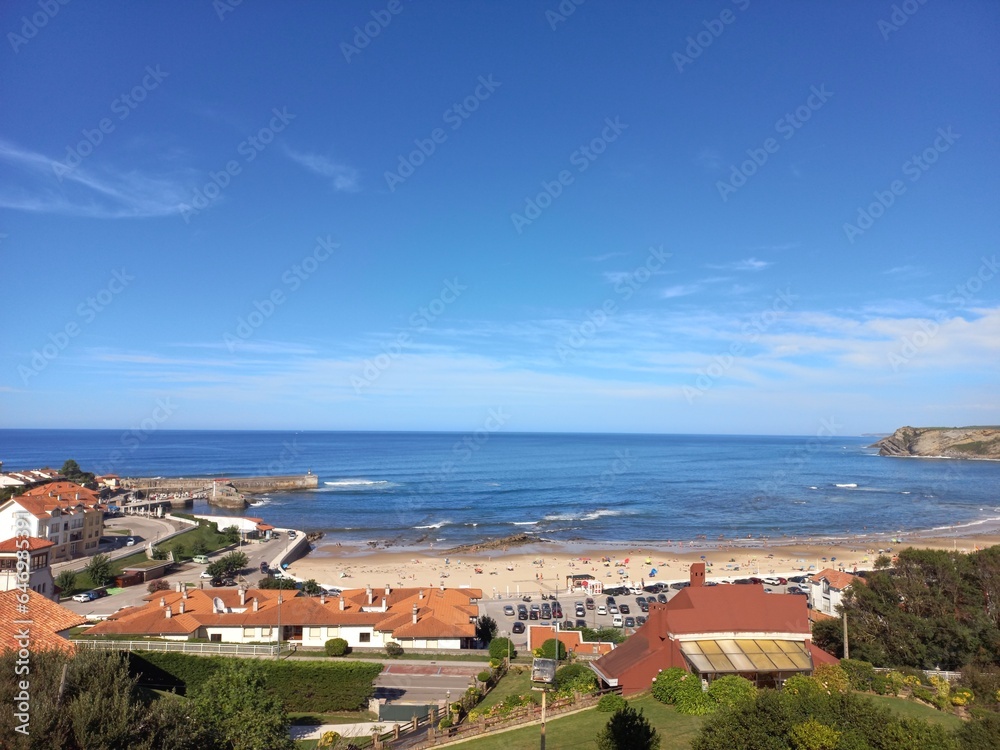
(948, 442)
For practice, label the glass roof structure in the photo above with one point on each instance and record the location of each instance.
(733, 656)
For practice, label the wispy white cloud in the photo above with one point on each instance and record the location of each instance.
(607, 256)
(711, 159)
(680, 290)
(747, 264)
(906, 272)
(342, 177)
(86, 190)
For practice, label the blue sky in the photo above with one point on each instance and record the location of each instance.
(725, 217)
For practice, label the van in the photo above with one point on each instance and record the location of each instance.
(201, 559)
(616, 621)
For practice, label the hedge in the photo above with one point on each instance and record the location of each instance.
(303, 686)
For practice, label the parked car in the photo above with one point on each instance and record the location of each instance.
(590, 603)
(206, 574)
(533, 614)
(661, 598)
(581, 623)
(756, 580)
(222, 582)
(680, 585)
(263, 566)
(629, 622)
(508, 610)
(130, 542)
(518, 627)
(624, 609)
(640, 620)
(613, 609)
(602, 610)
(617, 621)
(557, 611)
(581, 612)
(86, 596)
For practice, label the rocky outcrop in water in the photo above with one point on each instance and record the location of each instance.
(949, 442)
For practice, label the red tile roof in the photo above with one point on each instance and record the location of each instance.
(838, 579)
(66, 496)
(34, 544)
(46, 617)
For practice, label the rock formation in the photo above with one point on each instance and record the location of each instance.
(948, 442)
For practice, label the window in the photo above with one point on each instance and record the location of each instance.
(215, 637)
(365, 638)
(249, 632)
(265, 632)
(315, 632)
(332, 632)
(826, 586)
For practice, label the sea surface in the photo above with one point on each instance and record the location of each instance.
(407, 488)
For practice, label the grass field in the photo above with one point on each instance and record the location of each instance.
(511, 684)
(914, 710)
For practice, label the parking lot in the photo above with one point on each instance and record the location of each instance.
(624, 611)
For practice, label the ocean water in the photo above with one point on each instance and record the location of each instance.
(454, 488)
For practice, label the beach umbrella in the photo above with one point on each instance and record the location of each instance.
(702, 557)
(652, 572)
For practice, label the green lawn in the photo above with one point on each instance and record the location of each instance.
(578, 731)
(338, 717)
(914, 710)
(511, 684)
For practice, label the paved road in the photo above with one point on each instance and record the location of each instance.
(402, 682)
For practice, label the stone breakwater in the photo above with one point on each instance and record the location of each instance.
(251, 485)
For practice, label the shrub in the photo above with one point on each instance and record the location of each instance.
(923, 694)
(484, 676)
(691, 699)
(730, 691)
(832, 678)
(812, 735)
(667, 684)
(393, 649)
(159, 584)
(860, 674)
(499, 648)
(445, 723)
(628, 729)
(336, 647)
(611, 702)
(548, 650)
(961, 697)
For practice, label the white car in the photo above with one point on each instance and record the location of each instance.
(130, 542)
(206, 574)
(616, 621)
(602, 610)
(86, 596)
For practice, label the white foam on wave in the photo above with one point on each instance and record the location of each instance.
(848, 485)
(358, 483)
(588, 516)
(437, 525)
(524, 523)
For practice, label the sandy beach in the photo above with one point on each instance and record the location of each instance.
(545, 566)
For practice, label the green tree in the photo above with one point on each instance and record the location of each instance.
(229, 564)
(275, 583)
(160, 554)
(199, 547)
(180, 551)
(73, 473)
(501, 648)
(336, 647)
(548, 650)
(811, 735)
(100, 571)
(486, 629)
(66, 581)
(233, 704)
(232, 534)
(311, 588)
(628, 729)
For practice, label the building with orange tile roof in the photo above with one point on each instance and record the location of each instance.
(47, 623)
(715, 631)
(571, 639)
(414, 618)
(826, 590)
(67, 514)
(35, 571)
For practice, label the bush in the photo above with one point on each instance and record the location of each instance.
(159, 584)
(628, 729)
(691, 699)
(445, 723)
(393, 649)
(667, 684)
(548, 650)
(316, 686)
(860, 674)
(832, 678)
(336, 647)
(499, 648)
(484, 676)
(730, 691)
(611, 702)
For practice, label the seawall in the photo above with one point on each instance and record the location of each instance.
(252, 485)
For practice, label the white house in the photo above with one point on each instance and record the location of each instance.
(39, 572)
(826, 590)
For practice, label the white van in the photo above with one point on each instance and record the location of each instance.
(616, 621)
(200, 559)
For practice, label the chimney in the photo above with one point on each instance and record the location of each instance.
(169, 613)
(177, 587)
(322, 599)
(341, 602)
(182, 607)
(698, 574)
(421, 594)
(255, 604)
(279, 597)
(77, 495)
(243, 597)
(368, 590)
(414, 614)
(442, 584)
(184, 592)
(387, 589)
(163, 602)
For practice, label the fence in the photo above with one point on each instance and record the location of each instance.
(212, 649)
(949, 676)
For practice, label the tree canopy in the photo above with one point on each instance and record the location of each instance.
(932, 609)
